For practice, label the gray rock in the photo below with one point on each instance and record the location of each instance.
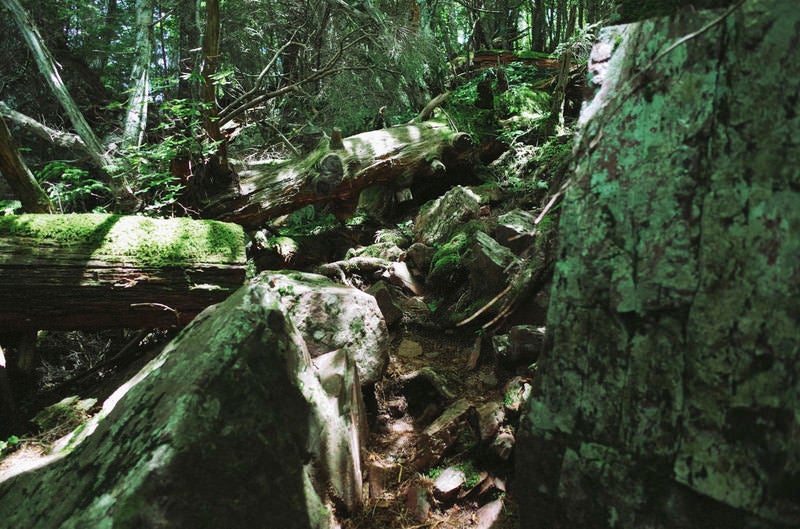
(488, 516)
(390, 301)
(417, 503)
(521, 346)
(442, 434)
(489, 266)
(490, 417)
(418, 258)
(331, 316)
(447, 484)
(439, 219)
(516, 230)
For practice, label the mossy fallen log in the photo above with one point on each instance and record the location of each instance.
(93, 271)
(338, 173)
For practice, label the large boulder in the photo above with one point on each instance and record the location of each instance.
(230, 426)
(331, 316)
(669, 396)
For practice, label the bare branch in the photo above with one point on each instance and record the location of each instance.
(327, 70)
(257, 85)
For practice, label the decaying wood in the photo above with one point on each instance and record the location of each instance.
(394, 156)
(131, 272)
(56, 137)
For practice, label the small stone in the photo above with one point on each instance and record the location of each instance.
(399, 275)
(489, 514)
(409, 349)
(516, 392)
(490, 416)
(389, 300)
(442, 434)
(417, 503)
(448, 483)
(503, 444)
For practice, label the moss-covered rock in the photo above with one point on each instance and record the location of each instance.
(331, 316)
(230, 426)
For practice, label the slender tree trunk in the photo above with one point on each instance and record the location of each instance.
(19, 177)
(557, 104)
(208, 91)
(49, 70)
(47, 66)
(539, 25)
(189, 35)
(136, 119)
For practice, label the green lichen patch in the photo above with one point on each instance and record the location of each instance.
(136, 240)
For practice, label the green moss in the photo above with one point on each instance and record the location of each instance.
(139, 240)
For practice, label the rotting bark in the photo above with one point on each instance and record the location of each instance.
(56, 137)
(110, 271)
(395, 156)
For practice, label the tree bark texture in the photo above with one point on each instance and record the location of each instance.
(209, 87)
(136, 117)
(57, 137)
(396, 156)
(102, 271)
(19, 177)
(669, 394)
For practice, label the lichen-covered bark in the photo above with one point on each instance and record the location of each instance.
(670, 394)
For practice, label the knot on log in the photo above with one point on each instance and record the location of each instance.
(330, 174)
(461, 142)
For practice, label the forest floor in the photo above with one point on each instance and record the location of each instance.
(398, 426)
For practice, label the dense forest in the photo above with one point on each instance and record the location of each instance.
(399, 263)
(146, 95)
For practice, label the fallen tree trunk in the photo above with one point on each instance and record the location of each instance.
(103, 271)
(396, 156)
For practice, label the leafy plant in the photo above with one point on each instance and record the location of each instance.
(9, 445)
(71, 189)
(308, 221)
(10, 207)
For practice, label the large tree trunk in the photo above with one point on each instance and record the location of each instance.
(102, 271)
(189, 35)
(668, 397)
(209, 88)
(396, 156)
(19, 177)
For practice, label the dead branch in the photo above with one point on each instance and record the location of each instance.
(56, 137)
